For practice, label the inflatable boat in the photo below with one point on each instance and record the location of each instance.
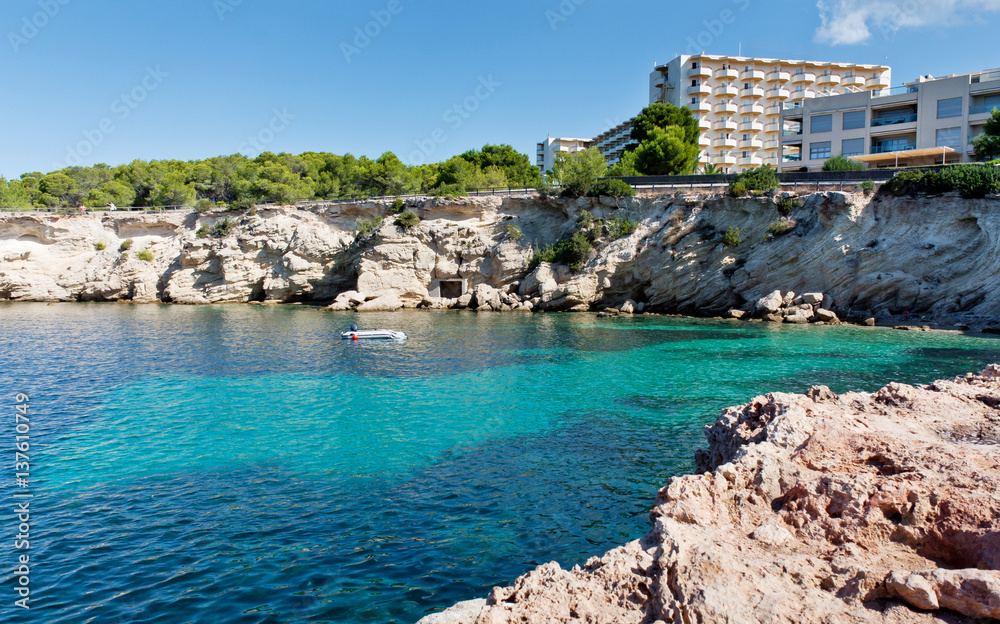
(372, 334)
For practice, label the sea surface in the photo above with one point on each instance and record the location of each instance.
(243, 464)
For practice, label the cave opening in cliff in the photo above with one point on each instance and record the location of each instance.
(452, 289)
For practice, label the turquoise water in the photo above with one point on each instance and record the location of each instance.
(242, 464)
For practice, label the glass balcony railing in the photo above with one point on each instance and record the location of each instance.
(886, 148)
(982, 108)
(788, 158)
(891, 120)
(791, 133)
(986, 77)
(895, 91)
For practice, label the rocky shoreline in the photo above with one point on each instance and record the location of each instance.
(809, 509)
(854, 257)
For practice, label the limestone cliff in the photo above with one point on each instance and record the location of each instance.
(817, 509)
(868, 255)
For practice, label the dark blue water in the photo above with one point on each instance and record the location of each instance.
(235, 464)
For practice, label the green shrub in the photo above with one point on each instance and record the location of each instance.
(407, 219)
(514, 232)
(101, 246)
(203, 205)
(738, 189)
(621, 226)
(202, 232)
(126, 245)
(780, 228)
(364, 227)
(732, 237)
(585, 220)
(760, 179)
(611, 188)
(398, 206)
(449, 191)
(786, 205)
(843, 163)
(867, 186)
(145, 255)
(570, 251)
(971, 180)
(223, 228)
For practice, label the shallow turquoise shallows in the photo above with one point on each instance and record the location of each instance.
(244, 464)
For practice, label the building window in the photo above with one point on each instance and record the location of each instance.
(746, 154)
(949, 137)
(853, 147)
(694, 83)
(952, 107)
(694, 65)
(746, 137)
(855, 119)
(822, 123)
(820, 151)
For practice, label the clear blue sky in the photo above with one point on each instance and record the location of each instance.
(222, 68)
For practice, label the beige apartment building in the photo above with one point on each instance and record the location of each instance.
(610, 143)
(738, 100)
(929, 121)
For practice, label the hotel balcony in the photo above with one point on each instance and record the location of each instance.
(753, 74)
(704, 124)
(752, 144)
(771, 145)
(701, 106)
(753, 92)
(828, 80)
(702, 89)
(724, 143)
(726, 91)
(726, 125)
(724, 159)
(772, 128)
(704, 141)
(779, 76)
(805, 94)
(727, 74)
(772, 111)
(701, 72)
(804, 78)
(853, 81)
(752, 161)
(881, 82)
(779, 94)
(727, 107)
(751, 126)
(752, 109)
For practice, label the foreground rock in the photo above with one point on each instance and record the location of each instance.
(812, 509)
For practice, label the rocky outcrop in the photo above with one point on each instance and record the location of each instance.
(868, 256)
(812, 508)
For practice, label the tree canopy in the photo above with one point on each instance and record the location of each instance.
(578, 172)
(667, 141)
(240, 181)
(987, 144)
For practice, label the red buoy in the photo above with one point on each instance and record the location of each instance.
(355, 336)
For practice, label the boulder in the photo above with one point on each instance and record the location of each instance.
(628, 307)
(788, 298)
(826, 316)
(388, 302)
(870, 322)
(770, 304)
(798, 318)
(735, 314)
(812, 298)
(487, 298)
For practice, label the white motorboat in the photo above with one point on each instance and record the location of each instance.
(372, 334)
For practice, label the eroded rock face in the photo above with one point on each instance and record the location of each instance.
(853, 256)
(811, 509)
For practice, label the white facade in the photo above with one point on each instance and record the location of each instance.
(611, 144)
(929, 121)
(738, 100)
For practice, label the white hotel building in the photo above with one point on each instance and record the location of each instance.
(738, 100)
